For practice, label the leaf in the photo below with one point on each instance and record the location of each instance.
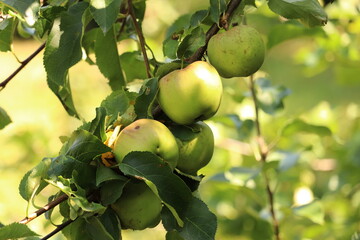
(112, 223)
(105, 12)
(309, 12)
(244, 128)
(46, 19)
(191, 43)
(180, 24)
(270, 98)
(139, 9)
(238, 176)
(107, 59)
(77, 230)
(199, 222)
(133, 65)
(84, 146)
(217, 7)
(97, 125)
(117, 104)
(173, 235)
(287, 31)
(20, 6)
(4, 118)
(62, 51)
(111, 191)
(300, 126)
(97, 230)
(198, 17)
(31, 181)
(355, 236)
(166, 68)
(288, 160)
(104, 174)
(313, 211)
(171, 189)
(15, 231)
(6, 37)
(146, 98)
(170, 47)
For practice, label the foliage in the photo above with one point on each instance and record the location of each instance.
(311, 166)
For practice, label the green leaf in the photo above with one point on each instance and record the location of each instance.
(20, 6)
(171, 189)
(6, 35)
(198, 17)
(217, 7)
(84, 146)
(133, 65)
(139, 9)
(309, 12)
(287, 31)
(270, 98)
(146, 98)
(62, 51)
(191, 43)
(238, 176)
(199, 222)
(46, 19)
(288, 160)
(313, 211)
(300, 126)
(97, 125)
(105, 12)
(104, 174)
(166, 68)
(179, 26)
(15, 231)
(77, 230)
(117, 104)
(170, 47)
(111, 191)
(173, 235)
(31, 181)
(4, 118)
(112, 223)
(97, 230)
(244, 127)
(355, 236)
(107, 58)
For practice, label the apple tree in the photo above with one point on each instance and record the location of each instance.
(138, 163)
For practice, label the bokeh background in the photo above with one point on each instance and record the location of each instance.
(320, 66)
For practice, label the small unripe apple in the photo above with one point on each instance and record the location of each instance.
(190, 94)
(238, 52)
(196, 146)
(138, 207)
(147, 135)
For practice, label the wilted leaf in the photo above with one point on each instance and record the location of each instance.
(309, 12)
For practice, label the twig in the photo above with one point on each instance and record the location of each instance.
(233, 4)
(23, 64)
(141, 38)
(264, 150)
(58, 229)
(46, 208)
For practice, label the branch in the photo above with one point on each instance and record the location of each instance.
(46, 208)
(141, 38)
(58, 229)
(233, 4)
(264, 150)
(23, 64)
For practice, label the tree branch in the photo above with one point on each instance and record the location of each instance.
(46, 208)
(233, 4)
(23, 64)
(264, 150)
(58, 229)
(141, 38)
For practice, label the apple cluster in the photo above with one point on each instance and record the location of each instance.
(186, 96)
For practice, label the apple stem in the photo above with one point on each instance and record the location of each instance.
(264, 151)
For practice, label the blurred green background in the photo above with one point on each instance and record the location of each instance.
(320, 66)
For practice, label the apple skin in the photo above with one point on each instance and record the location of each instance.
(238, 52)
(190, 94)
(138, 207)
(196, 146)
(147, 135)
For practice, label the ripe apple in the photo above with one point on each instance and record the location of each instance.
(196, 146)
(238, 52)
(138, 207)
(147, 135)
(190, 94)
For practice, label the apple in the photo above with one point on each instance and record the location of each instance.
(190, 94)
(147, 135)
(196, 146)
(238, 52)
(138, 207)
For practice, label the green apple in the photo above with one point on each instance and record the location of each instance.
(138, 207)
(196, 146)
(190, 94)
(238, 52)
(147, 135)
